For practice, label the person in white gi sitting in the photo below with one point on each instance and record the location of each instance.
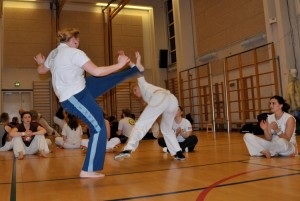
(71, 133)
(29, 138)
(279, 132)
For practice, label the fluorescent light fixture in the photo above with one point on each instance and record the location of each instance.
(127, 6)
(208, 56)
(254, 40)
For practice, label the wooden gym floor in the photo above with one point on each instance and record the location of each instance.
(219, 169)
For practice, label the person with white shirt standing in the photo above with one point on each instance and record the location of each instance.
(183, 130)
(78, 94)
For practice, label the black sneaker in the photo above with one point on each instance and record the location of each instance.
(179, 156)
(122, 155)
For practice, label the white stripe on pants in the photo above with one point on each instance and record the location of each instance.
(277, 146)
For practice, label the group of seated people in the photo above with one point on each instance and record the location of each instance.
(28, 137)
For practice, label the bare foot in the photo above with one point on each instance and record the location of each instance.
(266, 153)
(42, 154)
(21, 155)
(84, 174)
(138, 62)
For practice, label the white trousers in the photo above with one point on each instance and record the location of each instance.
(167, 106)
(277, 146)
(110, 144)
(9, 145)
(38, 143)
(59, 141)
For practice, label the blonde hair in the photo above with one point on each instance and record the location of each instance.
(67, 33)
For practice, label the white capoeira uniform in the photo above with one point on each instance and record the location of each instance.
(38, 143)
(160, 101)
(29, 146)
(7, 146)
(277, 146)
(73, 137)
(110, 144)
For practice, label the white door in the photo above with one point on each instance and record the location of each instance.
(13, 101)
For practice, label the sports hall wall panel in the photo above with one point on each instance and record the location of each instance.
(26, 32)
(219, 24)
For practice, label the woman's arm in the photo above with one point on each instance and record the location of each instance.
(289, 129)
(185, 134)
(7, 128)
(40, 131)
(94, 70)
(14, 133)
(40, 60)
(267, 129)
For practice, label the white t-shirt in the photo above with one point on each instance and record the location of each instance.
(65, 64)
(185, 126)
(125, 125)
(282, 124)
(73, 136)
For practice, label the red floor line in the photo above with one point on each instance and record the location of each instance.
(204, 193)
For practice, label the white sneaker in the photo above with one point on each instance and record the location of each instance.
(186, 149)
(165, 150)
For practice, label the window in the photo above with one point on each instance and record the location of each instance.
(171, 32)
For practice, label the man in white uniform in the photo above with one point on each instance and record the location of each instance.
(160, 101)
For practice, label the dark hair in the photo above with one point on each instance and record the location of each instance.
(15, 119)
(181, 109)
(281, 101)
(26, 112)
(72, 121)
(111, 118)
(132, 116)
(126, 112)
(4, 117)
(34, 115)
(189, 117)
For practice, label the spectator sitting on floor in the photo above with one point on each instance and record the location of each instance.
(37, 117)
(5, 128)
(71, 133)
(183, 129)
(112, 142)
(28, 138)
(125, 125)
